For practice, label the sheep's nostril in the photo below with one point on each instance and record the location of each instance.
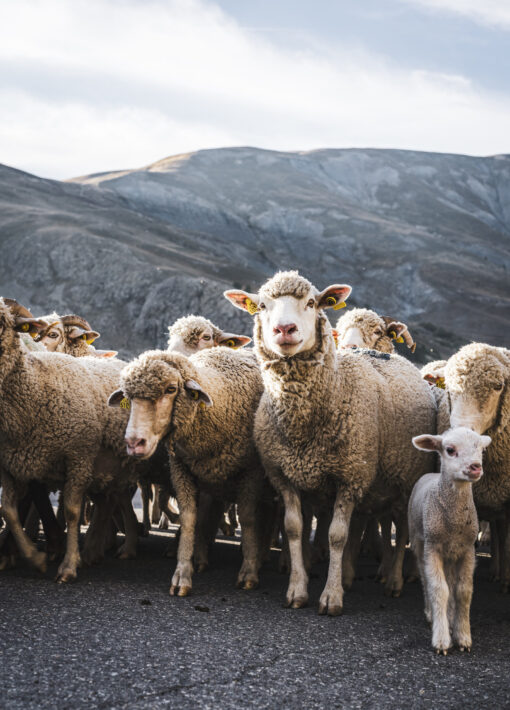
(475, 467)
(286, 329)
(134, 442)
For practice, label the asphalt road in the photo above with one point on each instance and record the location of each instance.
(116, 639)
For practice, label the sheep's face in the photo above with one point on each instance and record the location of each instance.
(461, 452)
(191, 334)
(53, 338)
(361, 328)
(150, 390)
(476, 386)
(288, 307)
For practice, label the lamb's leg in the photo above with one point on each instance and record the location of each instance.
(395, 580)
(297, 593)
(331, 601)
(73, 497)
(383, 572)
(187, 495)
(248, 496)
(418, 555)
(127, 551)
(10, 512)
(463, 594)
(437, 590)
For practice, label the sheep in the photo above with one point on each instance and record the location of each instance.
(477, 381)
(433, 372)
(363, 328)
(443, 528)
(203, 406)
(191, 334)
(55, 427)
(328, 424)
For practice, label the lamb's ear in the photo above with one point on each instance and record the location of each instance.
(486, 440)
(333, 296)
(197, 393)
(428, 442)
(230, 340)
(116, 398)
(75, 332)
(243, 300)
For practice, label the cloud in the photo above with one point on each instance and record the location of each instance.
(494, 13)
(106, 84)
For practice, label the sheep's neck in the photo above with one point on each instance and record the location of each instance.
(454, 495)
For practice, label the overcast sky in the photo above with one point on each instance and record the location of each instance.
(94, 85)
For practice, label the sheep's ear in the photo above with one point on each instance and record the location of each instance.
(29, 325)
(230, 340)
(486, 440)
(436, 379)
(197, 393)
(394, 330)
(75, 333)
(335, 335)
(333, 296)
(427, 442)
(102, 353)
(243, 300)
(115, 399)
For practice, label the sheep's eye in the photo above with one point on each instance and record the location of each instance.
(378, 331)
(498, 387)
(262, 306)
(311, 303)
(170, 389)
(206, 337)
(450, 450)
(52, 335)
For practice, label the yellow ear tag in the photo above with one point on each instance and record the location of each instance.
(90, 341)
(230, 343)
(83, 337)
(125, 403)
(251, 306)
(440, 383)
(25, 327)
(338, 306)
(202, 405)
(400, 339)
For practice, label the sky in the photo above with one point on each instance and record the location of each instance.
(97, 85)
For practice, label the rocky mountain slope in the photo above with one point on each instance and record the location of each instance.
(422, 237)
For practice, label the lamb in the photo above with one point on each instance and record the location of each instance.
(75, 441)
(329, 424)
(477, 380)
(363, 328)
(203, 406)
(443, 528)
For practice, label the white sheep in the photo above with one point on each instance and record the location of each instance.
(332, 425)
(363, 328)
(443, 528)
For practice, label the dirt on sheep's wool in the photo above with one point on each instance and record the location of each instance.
(116, 639)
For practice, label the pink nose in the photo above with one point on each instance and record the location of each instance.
(285, 329)
(133, 443)
(475, 468)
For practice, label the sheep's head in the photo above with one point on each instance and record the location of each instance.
(288, 307)
(157, 388)
(478, 382)
(461, 452)
(191, 334)
(363, 328)
(15, 318)
(70, 334)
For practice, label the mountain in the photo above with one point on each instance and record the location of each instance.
(422, 237)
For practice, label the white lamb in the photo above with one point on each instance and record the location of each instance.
(443, 527)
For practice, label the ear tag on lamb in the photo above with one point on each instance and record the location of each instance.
(440, 383)
(251, 306)
(125, 403)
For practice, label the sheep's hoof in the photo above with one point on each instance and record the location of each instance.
(441, 651)
(296, 603)
(125, 555)
(334, 610)
(176, 591)
(396, 593)
(68, 575)
(465, 648)
(7, 562)
(202, 567)
(38, 560)
(411, 579)
(250, 584)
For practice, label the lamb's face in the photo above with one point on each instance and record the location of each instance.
(150, 389)
(461, 450)
(288, 308)
(476, 384)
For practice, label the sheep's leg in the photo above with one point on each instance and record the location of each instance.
(73, 497)
(187, 496)
(155, 509)
(352, 548)
(166, 508)
(307, 512)
(463, 595)
(320, 548)
(10, 512)
(54, 533)
(297, 593)
(94, 545)
(206, 520)
(437, 589)
(248, 496)
(331, 601)
(418, 555)
(145, 491)
(384, 570)
(127, 551)
(494, 567)
(395, 580)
